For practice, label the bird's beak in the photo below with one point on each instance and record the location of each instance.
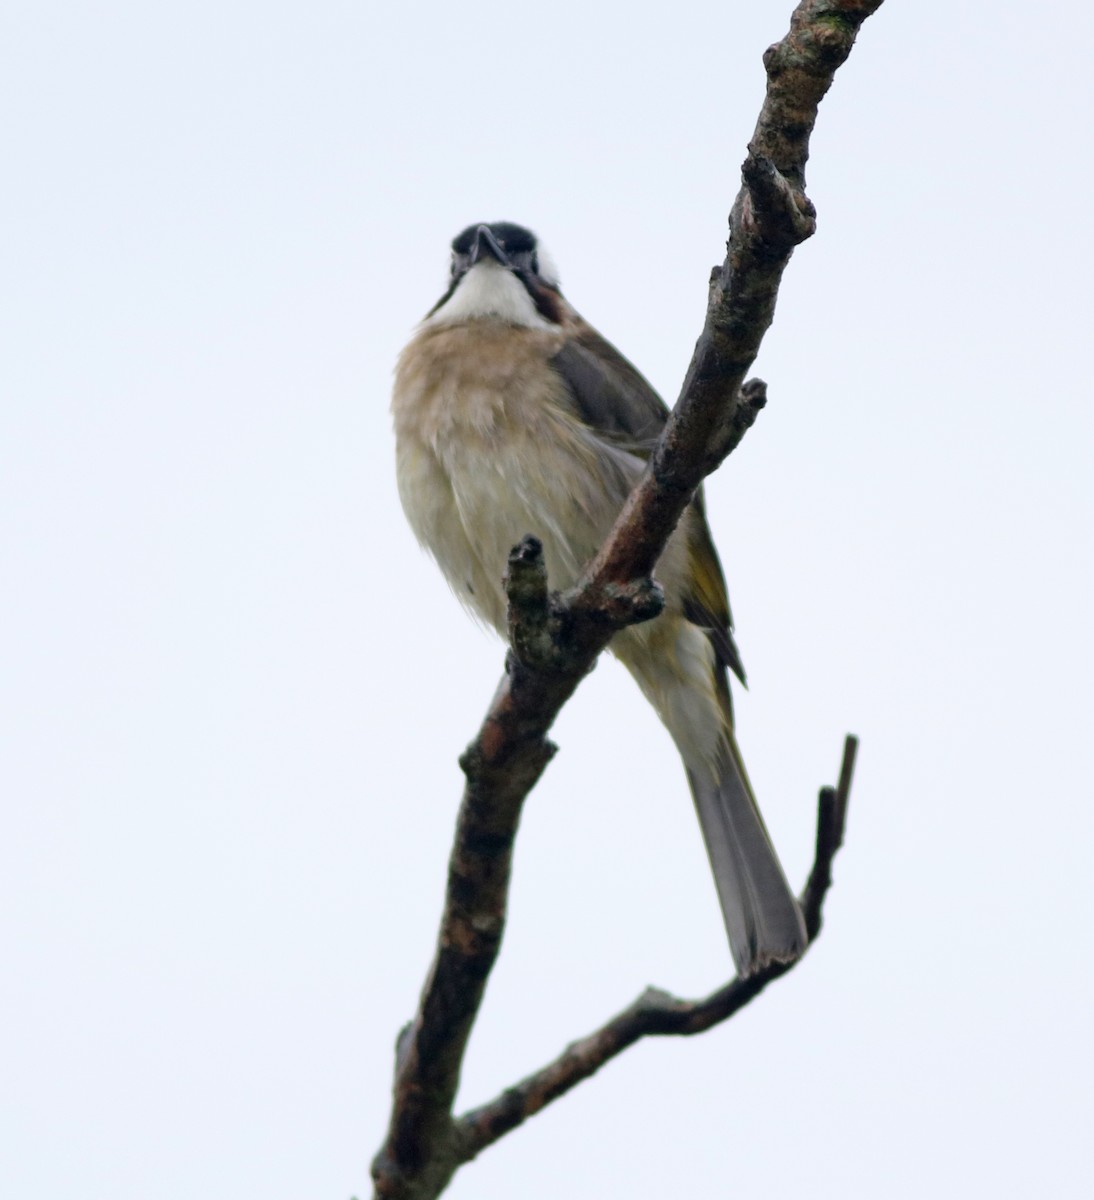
(487, 246)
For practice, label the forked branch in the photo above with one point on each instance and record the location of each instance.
(657, 1013)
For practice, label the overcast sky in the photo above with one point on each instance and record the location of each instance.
(233, 690)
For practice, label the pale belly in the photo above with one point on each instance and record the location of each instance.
(471, 500)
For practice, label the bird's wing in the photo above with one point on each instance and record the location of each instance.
(610, 394)
(707, 601)
(613, 398)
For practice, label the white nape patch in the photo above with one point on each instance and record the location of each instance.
(489, 290)
(547, 271)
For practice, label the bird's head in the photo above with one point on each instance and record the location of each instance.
(500, 272)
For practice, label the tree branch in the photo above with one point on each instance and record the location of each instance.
(555, 640)
(657, 1013)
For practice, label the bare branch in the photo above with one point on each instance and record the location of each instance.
(770, 216)
(555, 641)
(657, 1013)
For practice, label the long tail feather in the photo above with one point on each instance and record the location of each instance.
(762, 917)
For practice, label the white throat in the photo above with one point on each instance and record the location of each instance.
(489, 290)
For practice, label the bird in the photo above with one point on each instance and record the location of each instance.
(514, 416)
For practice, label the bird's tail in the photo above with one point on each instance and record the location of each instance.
(762, 916)
(676, 665)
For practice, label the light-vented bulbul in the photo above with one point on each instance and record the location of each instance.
(514, 416)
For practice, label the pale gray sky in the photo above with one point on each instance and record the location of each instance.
(234, 690)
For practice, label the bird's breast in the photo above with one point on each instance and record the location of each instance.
(490, 448)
